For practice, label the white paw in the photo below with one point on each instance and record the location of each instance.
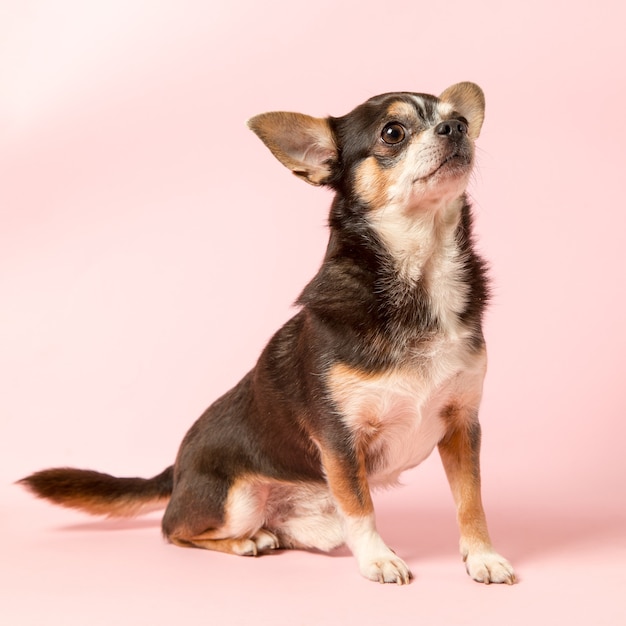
(386, 568)
(489, 567)
(261, 541)
(265, 540)
(242, 547)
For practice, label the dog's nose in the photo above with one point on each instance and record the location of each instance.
(452, 128)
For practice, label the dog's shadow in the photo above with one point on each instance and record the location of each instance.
(114, 524)
(519, 535)
(423, 533)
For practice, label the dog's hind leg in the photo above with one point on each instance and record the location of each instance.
(261, 541)
(205, 513)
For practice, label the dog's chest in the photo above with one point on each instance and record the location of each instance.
(396, 417)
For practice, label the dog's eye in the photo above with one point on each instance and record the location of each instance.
(393, 133)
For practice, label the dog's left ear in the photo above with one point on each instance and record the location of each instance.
(302, 143)
(468, 100)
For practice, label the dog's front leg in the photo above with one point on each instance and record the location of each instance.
(460, 452)
(347, 480)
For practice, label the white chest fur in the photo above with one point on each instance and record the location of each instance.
(396, 418)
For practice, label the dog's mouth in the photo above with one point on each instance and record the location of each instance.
(455, 163)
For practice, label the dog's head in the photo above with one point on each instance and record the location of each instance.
(402, 149)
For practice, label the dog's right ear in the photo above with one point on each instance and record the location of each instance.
(304, 144)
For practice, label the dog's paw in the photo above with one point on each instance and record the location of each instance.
(262, 541)
(265, 541)
(489, 567)
(387, 568)
(240, 547)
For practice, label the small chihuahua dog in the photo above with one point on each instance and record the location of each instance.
(384, 360)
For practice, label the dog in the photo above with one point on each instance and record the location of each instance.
(383, 362)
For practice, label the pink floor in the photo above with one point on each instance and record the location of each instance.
(150, 245)
(60, 568)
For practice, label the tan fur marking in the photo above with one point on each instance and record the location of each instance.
(401, 111)
(459, 452)
(351, 492)
(372, 183)
(369, 427)
(241, 546)
(127, 508)
(130, 506)
(342, 378)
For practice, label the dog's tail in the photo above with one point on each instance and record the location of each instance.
(101, 494)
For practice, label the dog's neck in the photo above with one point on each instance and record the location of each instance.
(419, 239)
(412, 264)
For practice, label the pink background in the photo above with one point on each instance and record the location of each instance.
(150, 245)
